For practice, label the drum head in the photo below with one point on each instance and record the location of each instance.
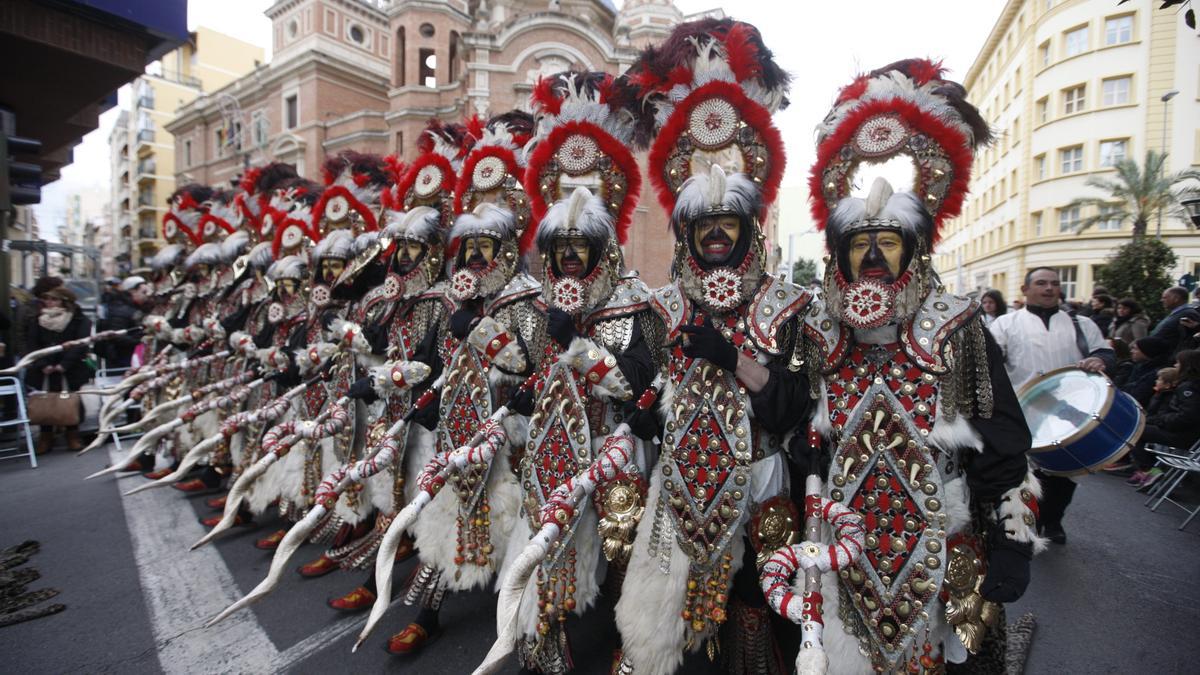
(1062, 403)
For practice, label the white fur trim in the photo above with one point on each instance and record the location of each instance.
(613, 384)
(1012, 513)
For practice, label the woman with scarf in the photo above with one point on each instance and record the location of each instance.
(58, 321)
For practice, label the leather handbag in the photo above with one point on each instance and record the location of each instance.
(54, 408)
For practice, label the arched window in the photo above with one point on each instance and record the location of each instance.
(454, 56)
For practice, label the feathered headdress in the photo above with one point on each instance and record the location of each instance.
(289, 267)
(429, 179)
(292, 204)
(185, 208)
(353, 184)
(257, 186)
(905, 108)
(221, 216)
(583, 143)
(710, 90)
(493, 170)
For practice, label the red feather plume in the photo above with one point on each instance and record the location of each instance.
(545, 98)
(741, 52)
(250, 179)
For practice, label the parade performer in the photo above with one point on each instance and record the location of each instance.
(1036, 339)
(494, 333)
(923, 433)
(600, 357)
(718, 494)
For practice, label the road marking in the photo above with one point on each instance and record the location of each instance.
(184, 589)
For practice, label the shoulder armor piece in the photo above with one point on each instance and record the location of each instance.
(520, 287)
(671, 304)
(830, 338)
(940, 316)
(776, 302)
(630, 296)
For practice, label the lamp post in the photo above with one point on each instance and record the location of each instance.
(1166, 98)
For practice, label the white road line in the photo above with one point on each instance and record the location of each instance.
(184, 589)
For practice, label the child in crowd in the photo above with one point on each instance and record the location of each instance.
(1170, 420)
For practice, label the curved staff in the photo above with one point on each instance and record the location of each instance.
(814, 559)
(559, 510)
(81, 342)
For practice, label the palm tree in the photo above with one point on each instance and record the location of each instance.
(1137, 194)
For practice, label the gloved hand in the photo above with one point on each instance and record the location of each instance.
(327, 319)
(643, 423)
(706, 342)
(802, 455)
(362, 390)
(1008, 569)
(377, 336)
(460, 323)
(560, 326)
(428, 416)
(521, 402)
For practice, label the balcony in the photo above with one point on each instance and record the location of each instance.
(146, 101)
(145, 135)
(146, 165)
(147, 233)
(145, 199)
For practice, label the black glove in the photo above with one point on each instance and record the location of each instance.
(460, 323)
(803, 456)
(643, 423)
(1008, 569)
(327, 319)
(560, 326)
(706, 342)
(362, 390)
(428, 416)
(376, 335)
(521, 402)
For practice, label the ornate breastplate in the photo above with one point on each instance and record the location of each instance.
(882, 410)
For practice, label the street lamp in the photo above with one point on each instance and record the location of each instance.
(1166, 98)
(1193, 210)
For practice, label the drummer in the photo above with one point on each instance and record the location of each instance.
(1038, 338)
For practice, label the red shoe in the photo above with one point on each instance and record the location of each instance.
(317, 568)
(354, 601)
(161, 473)
(406, 549)
(238, 521)
(216, 503)
(272, 542)
(410, 640)
(194, 486)
(136, 465)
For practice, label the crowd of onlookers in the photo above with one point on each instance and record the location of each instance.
(1158, 366)
(51, 316)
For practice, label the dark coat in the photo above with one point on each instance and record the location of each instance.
(122, 314)
(1178, 417)
(75, 367)
(1130, 329)
(1140, 384)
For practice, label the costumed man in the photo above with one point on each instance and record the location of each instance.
(1036, 339)
(919, 427)
(259, 186)
(494, 333)
(600, 357)
(718, 494)
(404, 318)
(347, 210)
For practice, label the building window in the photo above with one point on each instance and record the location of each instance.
(427, 63)
(1018, 84)
(1074, 99)
(1036, 221)
(1044, 53)
(1116, 90)
(1118, 30)
(219, 138)
(187, 153)
(1039, 167)
(357, 34)
(1071, 159)
(1109, 221)
(1075, 41)
(1016, 132)
(291, 111)
(1012, 184)
(1043, 110)
(293, 29)
(260, 127)
(1112, 152)
(426, 30)
(1070, 281)
(1068, 219)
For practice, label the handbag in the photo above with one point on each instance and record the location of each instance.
(54, 408)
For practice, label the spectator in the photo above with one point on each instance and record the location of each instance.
(1103, 311)
(993, 305)
(25, 316)
(1124, 356)
(1130, 322)
(1174, 300)
(58, 321)
(125, 310)
(1149, 355)
(1189, 324)
(1164, 386)
(1174, 422)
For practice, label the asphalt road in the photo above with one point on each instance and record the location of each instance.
(1122, 597)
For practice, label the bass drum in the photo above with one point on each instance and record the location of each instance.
(1080, 421)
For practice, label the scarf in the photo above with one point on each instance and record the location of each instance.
(55, 319)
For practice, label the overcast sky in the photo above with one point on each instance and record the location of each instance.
(822, 44)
